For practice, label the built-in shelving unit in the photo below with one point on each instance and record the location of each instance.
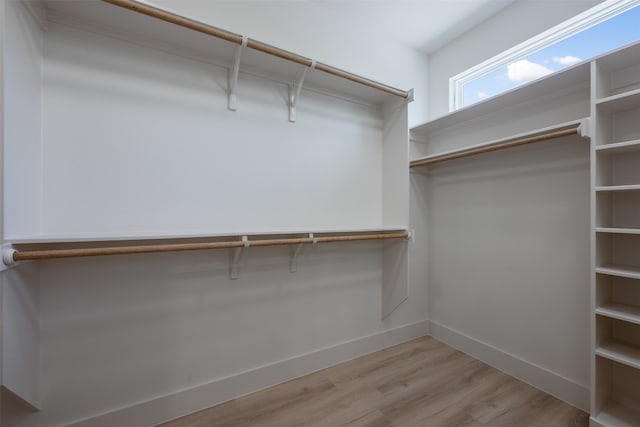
(615, 385)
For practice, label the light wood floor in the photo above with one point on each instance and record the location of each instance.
(420, 383)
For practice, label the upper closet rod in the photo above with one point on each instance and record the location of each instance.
(33, 255)
(494, 147)
(253, 44)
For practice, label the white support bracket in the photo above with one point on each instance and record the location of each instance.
(584, 129)
(410, 97)
(234, 269)
(7, 257)
(294, 91)
(293, 262)
(233, 77)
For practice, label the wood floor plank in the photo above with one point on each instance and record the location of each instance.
(419, 383)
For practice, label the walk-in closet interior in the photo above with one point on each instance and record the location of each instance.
(204, 199)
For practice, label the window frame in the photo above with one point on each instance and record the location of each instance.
(593, 16)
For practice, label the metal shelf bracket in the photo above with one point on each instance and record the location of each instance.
(233, 77)
(237, 254)
(294, 91)
(293, 262)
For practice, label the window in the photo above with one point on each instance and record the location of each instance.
(609, 25)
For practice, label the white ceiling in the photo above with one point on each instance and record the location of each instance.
(425, 25)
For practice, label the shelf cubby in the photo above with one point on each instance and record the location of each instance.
(620, 102)
(618, 298)
(617, 210)
(617, 126)
(617, 168)
(616, 394)
(618, 72)
(618, 340)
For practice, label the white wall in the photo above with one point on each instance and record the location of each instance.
(200, 167)
(514, 24)
(508, 261)
(317, 32)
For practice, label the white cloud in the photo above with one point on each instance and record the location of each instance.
(524, 71)
(566, 60)
(483, 95)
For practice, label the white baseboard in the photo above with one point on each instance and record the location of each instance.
(537, 376)
(190, 400)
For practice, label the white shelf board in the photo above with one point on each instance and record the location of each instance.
(621, 353)
(616, 230)
(618, 59)
(71, 238)
(621, 102)
(619, 270)
(113, 21)
(627, 313)
(618, 415)
(633, 187)
(619, 147)
(558, 127)
(553, 83)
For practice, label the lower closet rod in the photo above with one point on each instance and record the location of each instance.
(33, 255)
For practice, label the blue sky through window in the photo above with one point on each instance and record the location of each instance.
(605, 36)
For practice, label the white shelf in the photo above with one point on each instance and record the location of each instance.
(621, 353)
(621, 58)
(551, 84)
(621, 102)
(618, 415)
(113, 21)
(619, 147)
(627, 313)
(620, 271)
(197, 235)
(498, 142)
(633, 187)
(616, 230)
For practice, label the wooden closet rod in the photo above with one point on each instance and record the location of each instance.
(33, 255)
(495, 147)
(172, 18)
